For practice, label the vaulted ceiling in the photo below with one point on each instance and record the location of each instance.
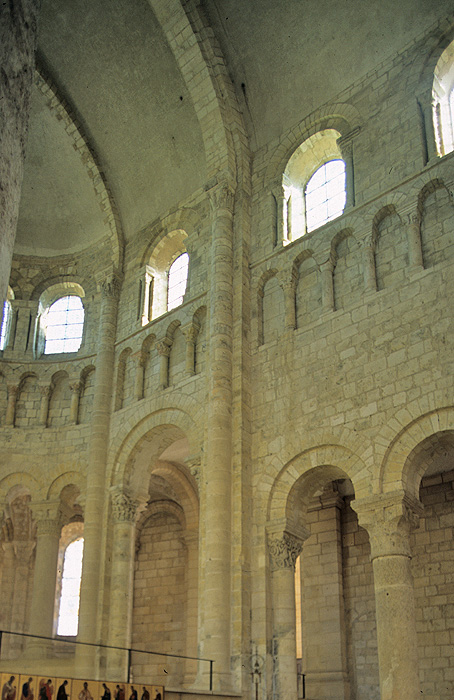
(112, 68)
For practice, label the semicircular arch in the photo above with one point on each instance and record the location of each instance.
(326, 462)
(396, 468)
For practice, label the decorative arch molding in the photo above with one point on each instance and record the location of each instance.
(175, 422)
(330, 461)
(64, 112)
(395, 469)
(340, 116)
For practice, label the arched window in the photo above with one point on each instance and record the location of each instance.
(64, 325)
(68, 611)
(314, 185)
(163, 286)
(443, 101)
(177, 280)
(325, 194)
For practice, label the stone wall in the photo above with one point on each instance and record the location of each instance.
(342, 359)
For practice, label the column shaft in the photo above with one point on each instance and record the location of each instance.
(396, 629)
(139, 378)
(121, 584)
(44, 581)
(369, 269)
(326, 270)
(388, 519)
(284, 548)
(216, 601)
(44, 408)
(414, 241)
(163, 348)
(290, 306)
(11, 404)
(97, 457)
(75, 398)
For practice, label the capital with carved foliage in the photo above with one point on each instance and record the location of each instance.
(124, 508)
(222, 196)
(285, 545)
(388, 518)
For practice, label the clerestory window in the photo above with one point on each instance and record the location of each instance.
(4, 331)
(314, 185)
(325, 194)
(177, 281)
(64, 325)
(166, 278)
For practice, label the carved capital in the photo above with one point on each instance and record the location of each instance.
(190, 332)
(75, 387)
(48, 517)
(12, 389)
(44, 390)
(413, 218)
(388, 518)
(284, 550)
(124, 508)
(222, 196)
(111, 285)
(163, 347)
(277, 189)
(141, 358)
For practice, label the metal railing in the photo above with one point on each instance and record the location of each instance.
(10, 649)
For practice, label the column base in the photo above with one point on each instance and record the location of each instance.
(327, 685)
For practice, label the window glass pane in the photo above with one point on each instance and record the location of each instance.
(5, 324)
(68, 615)
(178, 277)
(64, 325)
(325, 194)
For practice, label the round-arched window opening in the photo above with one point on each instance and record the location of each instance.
(325, 194)
(177, 281)
(64, 325)
(68, 613)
